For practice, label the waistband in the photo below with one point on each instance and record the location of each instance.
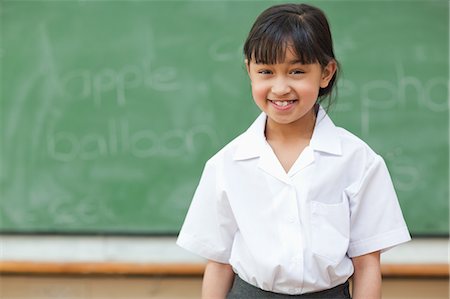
(243, 290)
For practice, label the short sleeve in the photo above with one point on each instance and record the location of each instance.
(376, 219)
(209, 226)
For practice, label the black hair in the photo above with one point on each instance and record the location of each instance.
(303, 27)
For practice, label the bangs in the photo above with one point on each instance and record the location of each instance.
(270, 41)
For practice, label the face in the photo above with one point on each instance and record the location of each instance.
(287, 91)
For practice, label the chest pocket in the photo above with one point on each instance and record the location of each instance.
(330, 229)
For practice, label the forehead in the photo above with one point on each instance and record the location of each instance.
(290, 55)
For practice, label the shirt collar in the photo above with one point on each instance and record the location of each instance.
(325, 137)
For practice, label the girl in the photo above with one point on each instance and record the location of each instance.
(295, 205)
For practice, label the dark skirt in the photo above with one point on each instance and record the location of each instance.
(244, 290)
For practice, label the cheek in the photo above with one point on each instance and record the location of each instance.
(259, 92)
(308, 88)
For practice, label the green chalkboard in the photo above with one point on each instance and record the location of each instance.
(109, 109)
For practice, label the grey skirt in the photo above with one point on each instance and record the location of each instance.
(244, 290)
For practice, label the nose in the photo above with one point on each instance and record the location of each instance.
(280, 87)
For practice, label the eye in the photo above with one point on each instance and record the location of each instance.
(297, 72)
(265, 72)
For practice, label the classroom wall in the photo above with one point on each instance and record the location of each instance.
(49, 287)
(161, 256)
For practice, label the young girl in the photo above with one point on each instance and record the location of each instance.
(295, 205)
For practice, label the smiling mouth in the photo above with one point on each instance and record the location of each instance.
(282, 103)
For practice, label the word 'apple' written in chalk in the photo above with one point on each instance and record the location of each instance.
(87, 84)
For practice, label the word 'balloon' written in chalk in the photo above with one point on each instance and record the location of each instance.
(120, 139)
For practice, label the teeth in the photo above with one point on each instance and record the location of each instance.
(282, 103)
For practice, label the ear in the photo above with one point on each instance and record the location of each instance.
(328, 73)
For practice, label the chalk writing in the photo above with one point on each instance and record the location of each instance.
(405, 172)
(225, 49)
(118, 138)
(388, 95)
(83, 84)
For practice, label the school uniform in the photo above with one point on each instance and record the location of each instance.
(295, 232)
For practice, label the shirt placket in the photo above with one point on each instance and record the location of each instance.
(294, 258)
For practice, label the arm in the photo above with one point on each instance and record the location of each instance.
(367, 276)
(217, 280)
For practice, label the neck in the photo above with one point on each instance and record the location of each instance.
(301, 129)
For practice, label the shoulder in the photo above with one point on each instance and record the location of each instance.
(354, 146)
(339, 142)
(359, 159)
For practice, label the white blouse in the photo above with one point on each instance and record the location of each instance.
(294, 232)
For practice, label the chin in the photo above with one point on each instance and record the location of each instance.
(282, 120)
